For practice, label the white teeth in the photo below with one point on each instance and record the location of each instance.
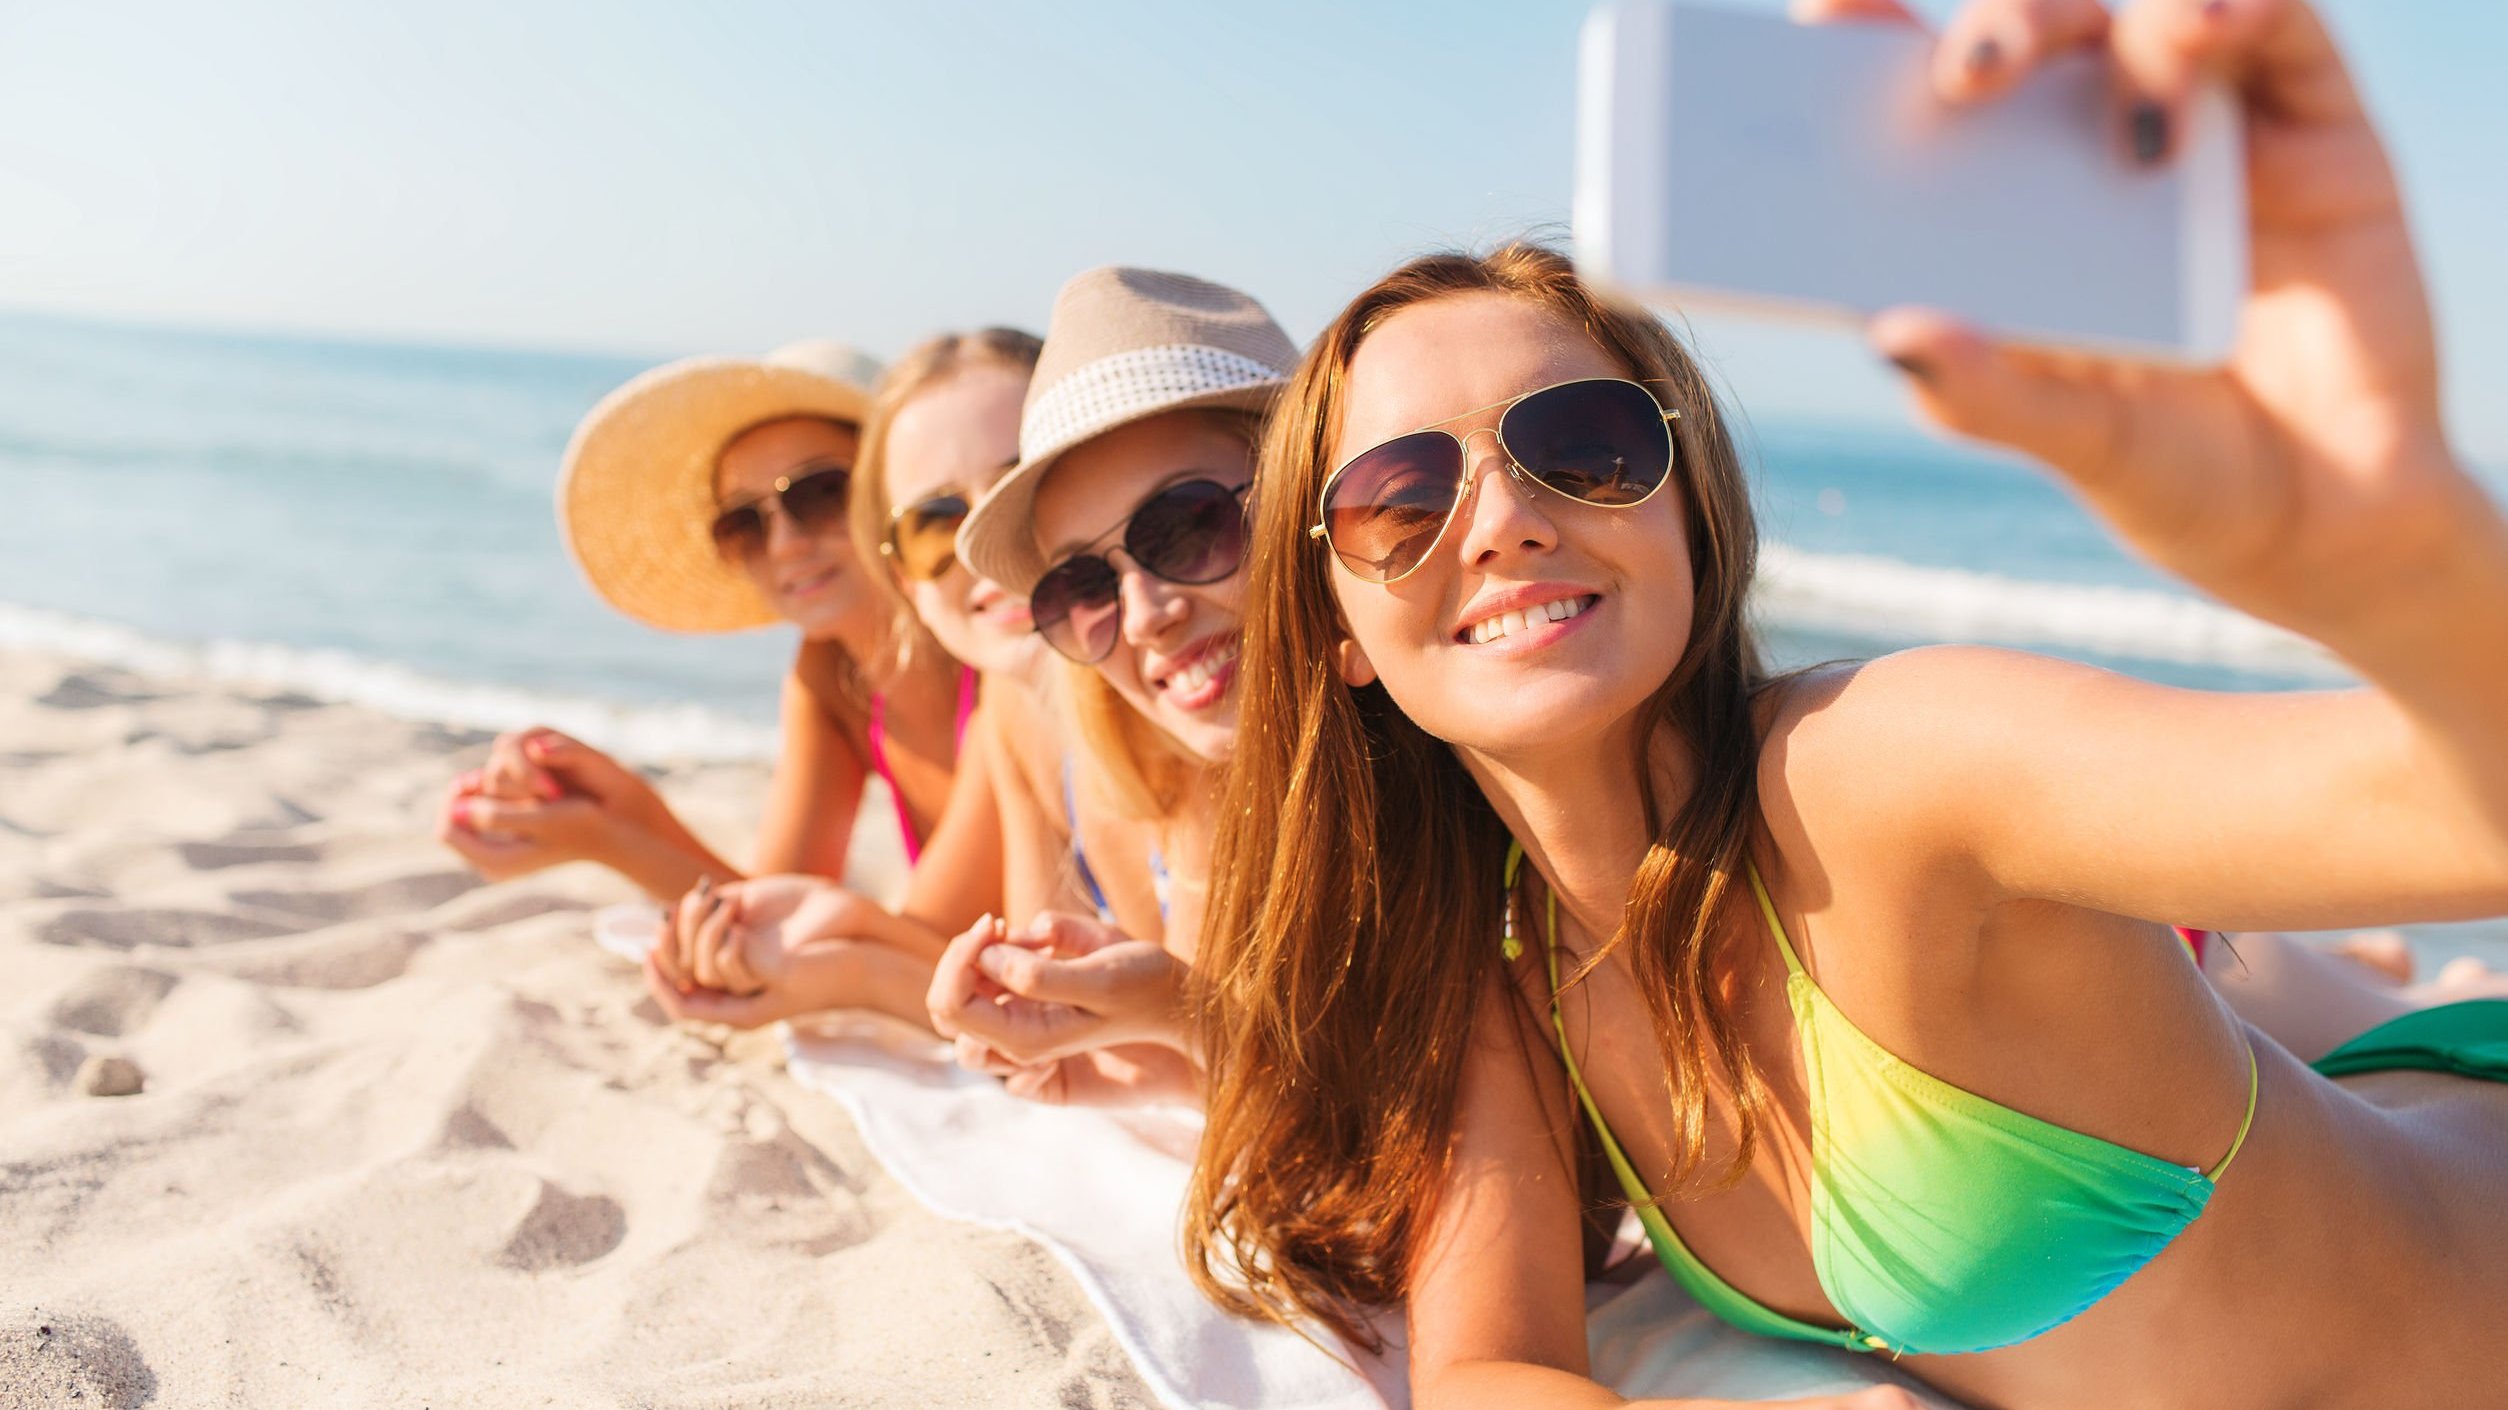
(1192, 678)
(1509, 623)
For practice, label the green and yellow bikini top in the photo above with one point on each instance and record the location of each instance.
(1941, 1222)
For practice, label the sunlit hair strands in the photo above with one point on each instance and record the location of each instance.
(926, 365)
(1355, 902)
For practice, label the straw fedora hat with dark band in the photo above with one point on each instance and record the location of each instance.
(1124, 345)
(636, 496)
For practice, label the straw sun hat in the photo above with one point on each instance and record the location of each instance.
(636, 496)
(1124, 345)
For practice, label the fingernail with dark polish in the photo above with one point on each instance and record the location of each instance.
(2215, 9)
(2150, 126)
(1913, 366)
(1985, 56)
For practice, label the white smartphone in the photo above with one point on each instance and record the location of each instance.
(1732, 159)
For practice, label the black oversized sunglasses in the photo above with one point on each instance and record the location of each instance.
(1192, 532)
(1599, 440)
(814, 501)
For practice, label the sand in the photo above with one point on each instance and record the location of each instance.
(294, 1111)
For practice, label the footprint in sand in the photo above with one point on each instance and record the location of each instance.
(442, 739)
(56, 1056)
(217, 856)
(468, 1128)
(128, 929)
(564, 1230)
(77, 692)
(790, 1190)
(51, 1358)
(494, 910)
(400, 895)
(287, 702)
(111, 1001)
(350, 956)
(285, 812)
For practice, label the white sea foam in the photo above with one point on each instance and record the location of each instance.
(642, 733)
(1883, 598)
(1848, 594)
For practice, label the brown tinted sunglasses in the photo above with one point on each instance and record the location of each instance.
(813, 500)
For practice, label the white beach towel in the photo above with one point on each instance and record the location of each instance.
(1102, 1191)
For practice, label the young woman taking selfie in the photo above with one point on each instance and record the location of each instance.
(1533, 886)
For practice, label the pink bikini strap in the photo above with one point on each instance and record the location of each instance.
(878, 734)
(877, 731)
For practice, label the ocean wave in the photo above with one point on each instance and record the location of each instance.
(1885, 599)
(1880, 599)
(648, 734)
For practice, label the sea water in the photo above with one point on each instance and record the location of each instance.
(376, 523)
(275, 502)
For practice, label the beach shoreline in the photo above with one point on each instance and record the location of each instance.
(405, 1138)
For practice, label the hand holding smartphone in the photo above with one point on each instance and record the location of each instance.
(1734, 159)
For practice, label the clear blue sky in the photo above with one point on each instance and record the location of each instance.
(669, 178)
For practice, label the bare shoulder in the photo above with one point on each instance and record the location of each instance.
(823, 697)
(1894, 746)
(1925, 694)
(1020, 728)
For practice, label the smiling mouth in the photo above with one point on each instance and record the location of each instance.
(1507, 624)
(1188, 684)
(809, 583)
(999, 608)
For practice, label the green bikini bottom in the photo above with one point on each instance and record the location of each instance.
(2469, 1039)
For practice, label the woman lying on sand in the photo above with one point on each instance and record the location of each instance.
(1138, 436)
(1531, 886)
(1125, 523)
(710, 495)
(942, 430)
(942, 434)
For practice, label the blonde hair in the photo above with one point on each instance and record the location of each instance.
(926, 365)
(1355, 900)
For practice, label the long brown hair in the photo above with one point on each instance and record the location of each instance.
(1355, 902)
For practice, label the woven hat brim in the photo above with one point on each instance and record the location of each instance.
(998, 541)
(636, 496)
